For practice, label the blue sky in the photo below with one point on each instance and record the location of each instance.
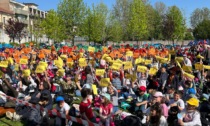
(187, 6)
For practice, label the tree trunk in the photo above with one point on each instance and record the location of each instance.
(13, 39)
(72, 40)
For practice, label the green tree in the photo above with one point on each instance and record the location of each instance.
(202, 30)
(154, 23)
(198, 16)
(188, 36)
(138, 22)
(121, 13)
(175, 18)
(95, 23)
(72, 12)
(53, 26)
(36, 29)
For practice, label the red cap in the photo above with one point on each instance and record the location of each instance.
(142, 88)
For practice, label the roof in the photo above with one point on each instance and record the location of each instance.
(30, 4)
(15, 2)
(5, 11)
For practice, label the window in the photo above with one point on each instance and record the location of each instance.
(4, 20)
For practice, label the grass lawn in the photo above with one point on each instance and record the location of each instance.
(6, 122)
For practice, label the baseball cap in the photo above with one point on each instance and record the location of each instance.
(142, 88)
(193, 102)
(106, 95)
(59, 98)
(158, 94)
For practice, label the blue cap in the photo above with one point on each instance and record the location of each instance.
(59, 98)
(191, 91)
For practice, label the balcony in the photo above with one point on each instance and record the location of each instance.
(23, 21)
(20, 11)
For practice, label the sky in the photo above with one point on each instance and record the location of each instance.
(187, 6)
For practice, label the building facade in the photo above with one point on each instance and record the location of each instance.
(26, 13)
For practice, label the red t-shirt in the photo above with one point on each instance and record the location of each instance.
(106, 110)
(87, 109)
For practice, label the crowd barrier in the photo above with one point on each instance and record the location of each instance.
(50, 112)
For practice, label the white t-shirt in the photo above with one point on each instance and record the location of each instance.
(180, 103)
(163, 121)
(188, 62)
(65, 108)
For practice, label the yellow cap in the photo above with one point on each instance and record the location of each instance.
(193, 101)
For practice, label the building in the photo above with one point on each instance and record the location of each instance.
(4, 16)
(26, 13)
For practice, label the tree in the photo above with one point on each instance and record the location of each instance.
(138, 20)
(154, 23)
(202, 30)
(53, 26)
(14, 29)
(95, 23)
(36, 29)
(188, 36)
(174, 24)
(161, 8)
(72, 12)
(198, 16)
(121, 13)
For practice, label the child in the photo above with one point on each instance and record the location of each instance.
(85, 106)
(114, 97)
(106, 109)
(62, 107)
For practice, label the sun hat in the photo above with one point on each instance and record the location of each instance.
(106, 95)
(142, 88)
(158, 94)
(59, 98)
(193, 102)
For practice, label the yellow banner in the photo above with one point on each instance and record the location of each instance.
(23, 61)
(139, 60)
(147, 62)
(100, 72)
(4, 64)
(63, 56)
(91, 49)
(179, 59)
(153, 71)
(105, 55)
(58, 63)
(142, 69)
(188, 75)
(70, 64)
(26, 72)
(10, 60)
(95, 90)
(187, 69)
(41, 63)
(40, 69)
(206, 67)
(116, 66)
(61, 72)
(105, 82)
(198, 66)
(129, 53)
(128, 65)
(172, 52)
(82, 62)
